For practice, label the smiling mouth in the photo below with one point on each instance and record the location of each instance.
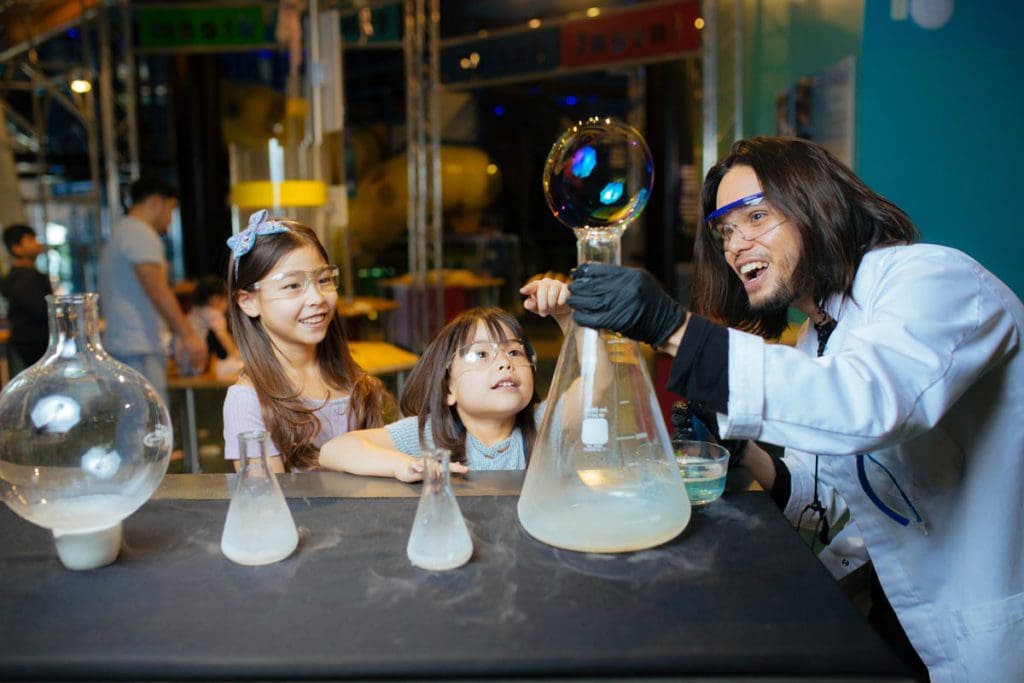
(752, 271)
(506, 384)
(314, 319)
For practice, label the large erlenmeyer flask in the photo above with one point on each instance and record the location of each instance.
(602, 476)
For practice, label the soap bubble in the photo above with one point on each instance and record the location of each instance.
(598, 174)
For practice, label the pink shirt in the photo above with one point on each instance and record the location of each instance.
(242, 414)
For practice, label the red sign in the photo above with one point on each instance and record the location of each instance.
(632, 35)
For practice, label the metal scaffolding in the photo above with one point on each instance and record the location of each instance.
(722, 78)
(106, 111)
(423, 158)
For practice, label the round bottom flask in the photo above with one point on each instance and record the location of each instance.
(85, 440)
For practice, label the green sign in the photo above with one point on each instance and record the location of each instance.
(214, 27)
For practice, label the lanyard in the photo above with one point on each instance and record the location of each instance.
(816, 507)
(824, 330)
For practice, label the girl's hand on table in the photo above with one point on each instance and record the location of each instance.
(412, 469)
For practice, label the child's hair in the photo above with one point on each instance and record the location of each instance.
(426, 389)
(13, 234)
(291, 423)
(207, 288)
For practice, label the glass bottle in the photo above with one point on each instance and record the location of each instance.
(439, 538)
(259, 528)
(602, 476)
(85, 440)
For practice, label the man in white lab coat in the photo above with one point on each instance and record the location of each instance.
(903, 400)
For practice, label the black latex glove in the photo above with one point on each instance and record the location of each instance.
(627, 300)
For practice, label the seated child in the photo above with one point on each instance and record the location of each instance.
(300, 382)
(208, 318)
(471, 392)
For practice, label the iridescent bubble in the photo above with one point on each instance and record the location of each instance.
(598, 174)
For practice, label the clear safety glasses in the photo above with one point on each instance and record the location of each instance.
(481, 355)
(294, 284)
(750, 217)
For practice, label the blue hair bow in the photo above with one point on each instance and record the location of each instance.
(242, 243)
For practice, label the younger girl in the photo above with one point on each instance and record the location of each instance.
(472, 392)
(300, 382)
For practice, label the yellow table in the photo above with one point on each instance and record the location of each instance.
(369, 306)
(377, 358)
(381, 358)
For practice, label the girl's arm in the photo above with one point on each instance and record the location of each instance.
(372, 452)
(369, 452)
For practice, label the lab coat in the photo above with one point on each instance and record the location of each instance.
(924, 371)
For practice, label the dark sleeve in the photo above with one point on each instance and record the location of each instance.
(783, 483)
(700, 371)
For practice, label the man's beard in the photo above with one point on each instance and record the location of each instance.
(788, 291)
(778, 301)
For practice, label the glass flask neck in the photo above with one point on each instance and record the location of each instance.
(435, 469)
(74, 323)
(598, 245)
(252, 455)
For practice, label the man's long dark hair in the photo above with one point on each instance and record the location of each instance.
(839, 219)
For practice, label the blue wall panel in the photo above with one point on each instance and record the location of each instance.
(941, 126)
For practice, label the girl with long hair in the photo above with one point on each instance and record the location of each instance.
(471, 392)
(299, 381)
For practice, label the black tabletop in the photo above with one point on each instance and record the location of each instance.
(736, 593)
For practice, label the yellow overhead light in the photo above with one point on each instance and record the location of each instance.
(699, 23)
(533, 23)
(80, 86)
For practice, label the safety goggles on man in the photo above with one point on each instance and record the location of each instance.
(480, 355)
(750, 217)
(294, 283)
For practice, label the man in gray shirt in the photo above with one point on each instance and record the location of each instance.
(136, 300)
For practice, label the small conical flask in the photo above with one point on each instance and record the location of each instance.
(602, 476)
(439, 538)
(259, 528)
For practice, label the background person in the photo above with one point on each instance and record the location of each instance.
(25, 289)
(908, 378)
(208, 317)
(136, 300)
